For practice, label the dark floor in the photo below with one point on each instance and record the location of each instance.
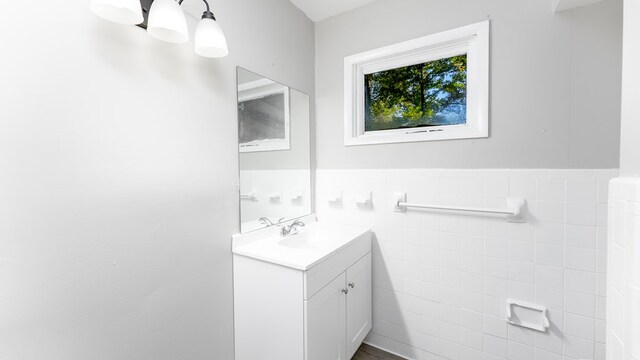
(367, 352)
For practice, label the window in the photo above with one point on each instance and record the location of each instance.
(431, 88)
(427, 94)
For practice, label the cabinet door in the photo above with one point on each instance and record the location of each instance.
(325, 323)
(359, 320)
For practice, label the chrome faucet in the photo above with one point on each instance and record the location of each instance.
(291, 229)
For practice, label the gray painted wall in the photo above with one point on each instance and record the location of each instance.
(118, 175)
(630, 151)
(555, 84)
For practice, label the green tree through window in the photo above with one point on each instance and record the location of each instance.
(428, 94)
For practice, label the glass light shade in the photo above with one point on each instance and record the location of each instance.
(209, 39)
(126, 12)
(167, 22)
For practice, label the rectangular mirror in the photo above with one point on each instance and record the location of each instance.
(275, 155)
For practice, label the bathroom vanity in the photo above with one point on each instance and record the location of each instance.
(304, 296)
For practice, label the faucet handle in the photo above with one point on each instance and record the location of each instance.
(290, 229)
(298, 223)
(266, 221)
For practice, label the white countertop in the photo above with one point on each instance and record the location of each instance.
(312, 244)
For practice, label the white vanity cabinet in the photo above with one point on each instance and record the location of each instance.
(342, 307)
(298, 311)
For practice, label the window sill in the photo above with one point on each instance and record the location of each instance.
(438, 133)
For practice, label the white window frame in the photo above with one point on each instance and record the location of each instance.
(472, 40)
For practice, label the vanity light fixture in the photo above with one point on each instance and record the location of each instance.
(166, 22)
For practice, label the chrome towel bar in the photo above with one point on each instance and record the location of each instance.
(515, 208)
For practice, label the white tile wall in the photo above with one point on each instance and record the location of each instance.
(623, 291)
(441, 280)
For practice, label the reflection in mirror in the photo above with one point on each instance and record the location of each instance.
(275, 158)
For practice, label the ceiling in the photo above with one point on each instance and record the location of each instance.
(318, 10)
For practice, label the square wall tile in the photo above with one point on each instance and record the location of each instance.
(580, 281)
(551, 190)
(495, 346)
(580, 213)
(581, 236)
(549, 255)
(577, 348)
(580, 304)
(580, 259)
(550, 211)
(496, 188)
(582, 190)
(551, 298)
(522, 272)
(550, 233)
(550, 276)
(579, 326)
(523, 251)
(518, 351)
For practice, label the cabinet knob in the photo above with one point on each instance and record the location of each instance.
(345, 291)
(352, 285)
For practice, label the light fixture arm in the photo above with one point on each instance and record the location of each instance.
(207, 14)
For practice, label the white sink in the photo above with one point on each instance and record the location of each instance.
(314, 237)
(312, 244)
(305, 240)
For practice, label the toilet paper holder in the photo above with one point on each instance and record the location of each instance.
(524, 314)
